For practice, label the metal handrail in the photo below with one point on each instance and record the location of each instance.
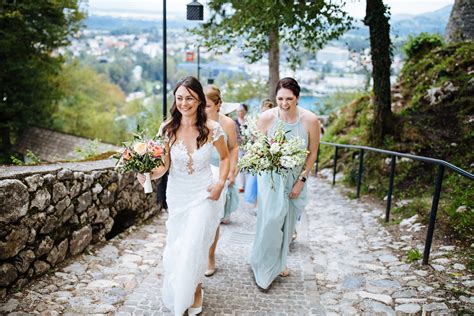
(437, 191)
(414, 157)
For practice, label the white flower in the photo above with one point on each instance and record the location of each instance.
(276, 154)
(265, 163)
(287, 162)
(140, 148)
(275, 148)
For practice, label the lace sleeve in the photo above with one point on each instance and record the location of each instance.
(217, 132)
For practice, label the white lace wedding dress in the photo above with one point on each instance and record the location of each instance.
(192, 222)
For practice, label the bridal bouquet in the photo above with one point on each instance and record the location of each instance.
(268, 154)
(141, 155)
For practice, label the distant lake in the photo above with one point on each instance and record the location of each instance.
(311, 103)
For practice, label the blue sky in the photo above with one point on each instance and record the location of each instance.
(177, 8)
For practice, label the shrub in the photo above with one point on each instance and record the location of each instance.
(421, 44)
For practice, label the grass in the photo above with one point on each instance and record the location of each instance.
(414, 255)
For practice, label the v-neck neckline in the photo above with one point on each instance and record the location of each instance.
(181, 142)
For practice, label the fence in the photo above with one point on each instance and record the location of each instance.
(437, 187)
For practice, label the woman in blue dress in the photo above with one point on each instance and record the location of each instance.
(229, 200)
(280, 204)
(250, 195)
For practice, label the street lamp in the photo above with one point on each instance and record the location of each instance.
(165, 82)
(199, 61)
(194, 11)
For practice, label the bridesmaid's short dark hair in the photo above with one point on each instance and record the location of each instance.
(245, 106)
(290, 84)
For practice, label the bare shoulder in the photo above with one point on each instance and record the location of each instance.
(309, 118)
(268, 116)
(227, 123)
(225, 120)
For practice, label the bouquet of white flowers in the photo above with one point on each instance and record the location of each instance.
(249, 131)
(141, 155)
(268, 154)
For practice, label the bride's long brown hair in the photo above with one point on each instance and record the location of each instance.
(171, 127)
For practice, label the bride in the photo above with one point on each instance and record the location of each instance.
(191, 195)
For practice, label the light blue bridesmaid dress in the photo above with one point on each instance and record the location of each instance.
(232, 196)
(276, 214)
(250, 195)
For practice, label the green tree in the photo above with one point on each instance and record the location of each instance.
(144, 113)
(376, 19)
(260, 26)
(237, 89)
(30, 32)
(90, 106)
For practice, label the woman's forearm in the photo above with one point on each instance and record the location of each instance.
(224, 166)
(158, 172)
(234, 156)
(310, 159)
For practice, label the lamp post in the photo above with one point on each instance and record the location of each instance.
(195, 12)
(198, 62)
(165, 81)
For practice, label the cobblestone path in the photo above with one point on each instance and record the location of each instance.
(343, 262)
(231, 290)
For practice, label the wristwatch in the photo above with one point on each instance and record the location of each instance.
(302, 178)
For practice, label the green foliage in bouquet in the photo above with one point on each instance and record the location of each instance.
(141, 154)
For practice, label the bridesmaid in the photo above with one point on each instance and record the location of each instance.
(229, 198)
(278, 208)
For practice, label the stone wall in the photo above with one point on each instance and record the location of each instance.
(49, 213)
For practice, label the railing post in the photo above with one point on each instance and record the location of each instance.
(434, 210)
(361, 169)
(390, 188)
(317, 161)
(334, 167)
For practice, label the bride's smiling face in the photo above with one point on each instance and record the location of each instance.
(187, 101)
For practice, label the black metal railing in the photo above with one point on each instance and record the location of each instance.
(393, 154)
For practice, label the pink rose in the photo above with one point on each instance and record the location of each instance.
(126, 154)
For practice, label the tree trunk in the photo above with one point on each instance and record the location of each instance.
(6, 144)
(379, 28)
(461, 22)
(273, 63)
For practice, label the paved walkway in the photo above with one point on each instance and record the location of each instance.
(231, 290)
(343, 262)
